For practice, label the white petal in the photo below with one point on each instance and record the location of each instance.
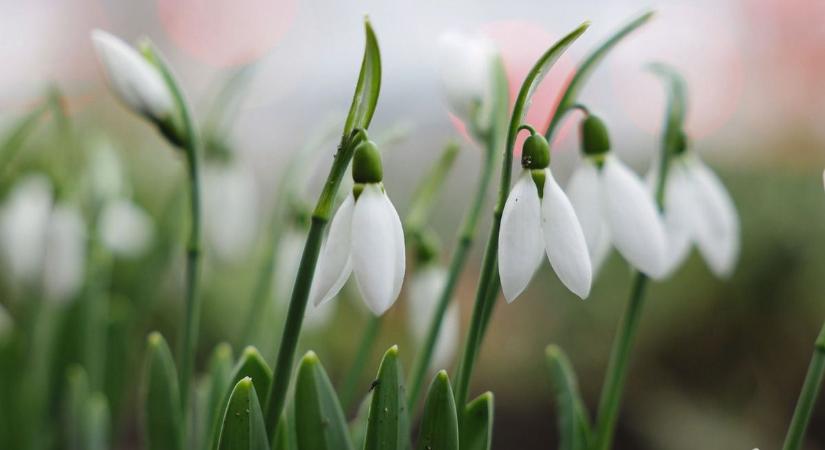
(635, 225)
(65, 261)
(448, 338)
(23, 227)
(520, 242)
(564, 240)
(230, 210)
(318, 317)
(106, 171)
(585, 194)
(679, 217)
(138, 84)
(718, 239)
(377, 249)
(335, 261)
(125, 228)
(467, 71)
(423, 294)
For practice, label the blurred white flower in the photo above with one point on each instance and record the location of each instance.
(424, 292)
(23, 224)
(366, 238)
(65, 254)
(615, 209)
(133, 79)
(125, 228)
(230, 209)
(698, 210)
(468, 77)
(106, 171)
(532, 226)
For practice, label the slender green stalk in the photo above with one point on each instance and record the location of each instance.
(350, 386)
(808, 396)
(617, 367)
(458, 260)
(303, 282)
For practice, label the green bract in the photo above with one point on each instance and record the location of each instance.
(535, 153)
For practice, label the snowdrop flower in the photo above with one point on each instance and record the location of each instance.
(614, 206)
(698, 210)
(230, 209)
(106, 174)
(44, 244)
(537, 219)
(125, 228)
(138, 83)
(468, 77)
(424, 291)
(365, 238)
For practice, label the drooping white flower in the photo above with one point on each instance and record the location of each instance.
(365, 238)
(230, 209)
(424, 291)
(23, 225)
(615, 208)
(106, 174)
(65, 258)
(125, 228)
(538, 219)
(467, 66)
(698, 210)
(133, 79)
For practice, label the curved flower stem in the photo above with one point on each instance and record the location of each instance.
(808, 396)
(303, 281)
(617, 367)
(350, 386)
(457, 262)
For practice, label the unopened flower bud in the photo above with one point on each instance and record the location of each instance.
(535, 153)
(594, 137)
(366, 163)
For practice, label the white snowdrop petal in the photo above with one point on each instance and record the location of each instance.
(520, 242)
(65, 259)
(564, 240)
(718, 239)
(424, 291)
(138, 84)
(334, 262)
(230, 210)
(679, 217)
(400, 247)
(635, 225)
(318, 317)
(125, 228)
(585, 194)
(376, 256)
(449, 337)
(23, 226)
(467, 75)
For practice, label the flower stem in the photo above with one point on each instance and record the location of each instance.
(303, 282)
(350, 385)
(458, 260)
(808, 396)
(617, 367)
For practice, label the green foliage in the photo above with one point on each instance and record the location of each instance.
(319, 420)
(163, 428)
(574, 425)
(365, 98)
(477, 424)
(439, 426)
(243, 424)
(220, 378)
(388, 426)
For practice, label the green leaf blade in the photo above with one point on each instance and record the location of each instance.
(319, 419)
(243, 424)
(477, 426)
(574, 425)
(162, 412)
(369, 84)
(439, 427)
(388, 427)
(220, 378)
(586, 68)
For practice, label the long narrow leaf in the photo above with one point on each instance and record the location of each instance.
(96, 424)
(439, 428)
(319, 420)
(369, 84)
(220, 378)
(574, 425)
(162, 420)
(243, 424)
(388, 427)
(571, 93)
(477, 427)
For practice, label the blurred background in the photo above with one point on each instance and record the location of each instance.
(719, 363)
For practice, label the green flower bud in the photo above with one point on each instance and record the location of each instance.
(594, 137)
(535, 153)
(427, 247)
(366, 163)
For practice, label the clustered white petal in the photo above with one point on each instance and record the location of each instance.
(616, 210)
(424, 291)
(365, 238)
(467, 76)
(527, 222)
(698, 210)
(133, 79)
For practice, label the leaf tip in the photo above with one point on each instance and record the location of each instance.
(154, 340)
(442, 376)
(310, 358)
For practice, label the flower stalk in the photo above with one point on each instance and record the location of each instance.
(808, 395)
